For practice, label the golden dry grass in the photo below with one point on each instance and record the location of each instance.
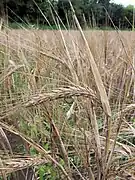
(74, 91)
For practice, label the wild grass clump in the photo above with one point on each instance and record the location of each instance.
(67, 104)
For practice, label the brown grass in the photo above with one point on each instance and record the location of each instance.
(81, 85)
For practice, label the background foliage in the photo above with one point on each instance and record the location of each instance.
(91, 13)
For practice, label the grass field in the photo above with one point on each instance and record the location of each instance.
(67, 105)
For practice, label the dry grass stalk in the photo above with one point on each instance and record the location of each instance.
(94, 125)
(58, 140)
(98, 80)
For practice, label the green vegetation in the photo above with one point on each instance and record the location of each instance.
(90, 13)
